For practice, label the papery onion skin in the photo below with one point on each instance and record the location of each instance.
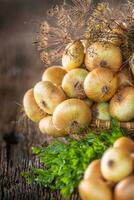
(46, 127)
(72, 115)
(100, 84)
(101, 111)
(73, 82)
(122, 104)
(94, 189)
(124, 79)
(73, 55)
(54, 74)
(103, 55)
(32, 110)
(48, 96)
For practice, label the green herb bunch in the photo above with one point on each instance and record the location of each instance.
(64, 161)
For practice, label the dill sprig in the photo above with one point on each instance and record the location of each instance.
(83, 20)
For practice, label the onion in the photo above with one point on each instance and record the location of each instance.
(46, 127)
(31, 108)
(100, 84)
(54, 74)
(122, 104)
(72, 115)
(72, 83)
(93, 170)
(48, 96)
(125, 143)
(101, 111)
(103, 55)
(94, 189)
(124, 190)
(116, 164)
(124, 79)
(132, 64)
(73, 55)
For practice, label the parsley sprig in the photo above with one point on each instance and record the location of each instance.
(64, 161)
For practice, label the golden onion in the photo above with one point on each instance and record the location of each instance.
(73, 55)
(48, 96)
(124, 190)
(54, 74)
(94, 189)
(31, 108)
(100, 84)
(72, 115)
(116, 164)
(46, 127)
(122, 104)
(104, 55)
(72, 83)
(101, 111)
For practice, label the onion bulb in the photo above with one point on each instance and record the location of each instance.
(116, 164)
(101, 111)
(131, 63)
(31, 108)
(122, 104)
(125, 143)
(72, 83)
(72, 115)
(124, 190)
(73, 55)
(54, 74)
(46, 127)
(100, 84)
(124, 79)
(48, 96)
(93, 170)
(103, 55)
(94, 189)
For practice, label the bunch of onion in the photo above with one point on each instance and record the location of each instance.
(90, 84)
